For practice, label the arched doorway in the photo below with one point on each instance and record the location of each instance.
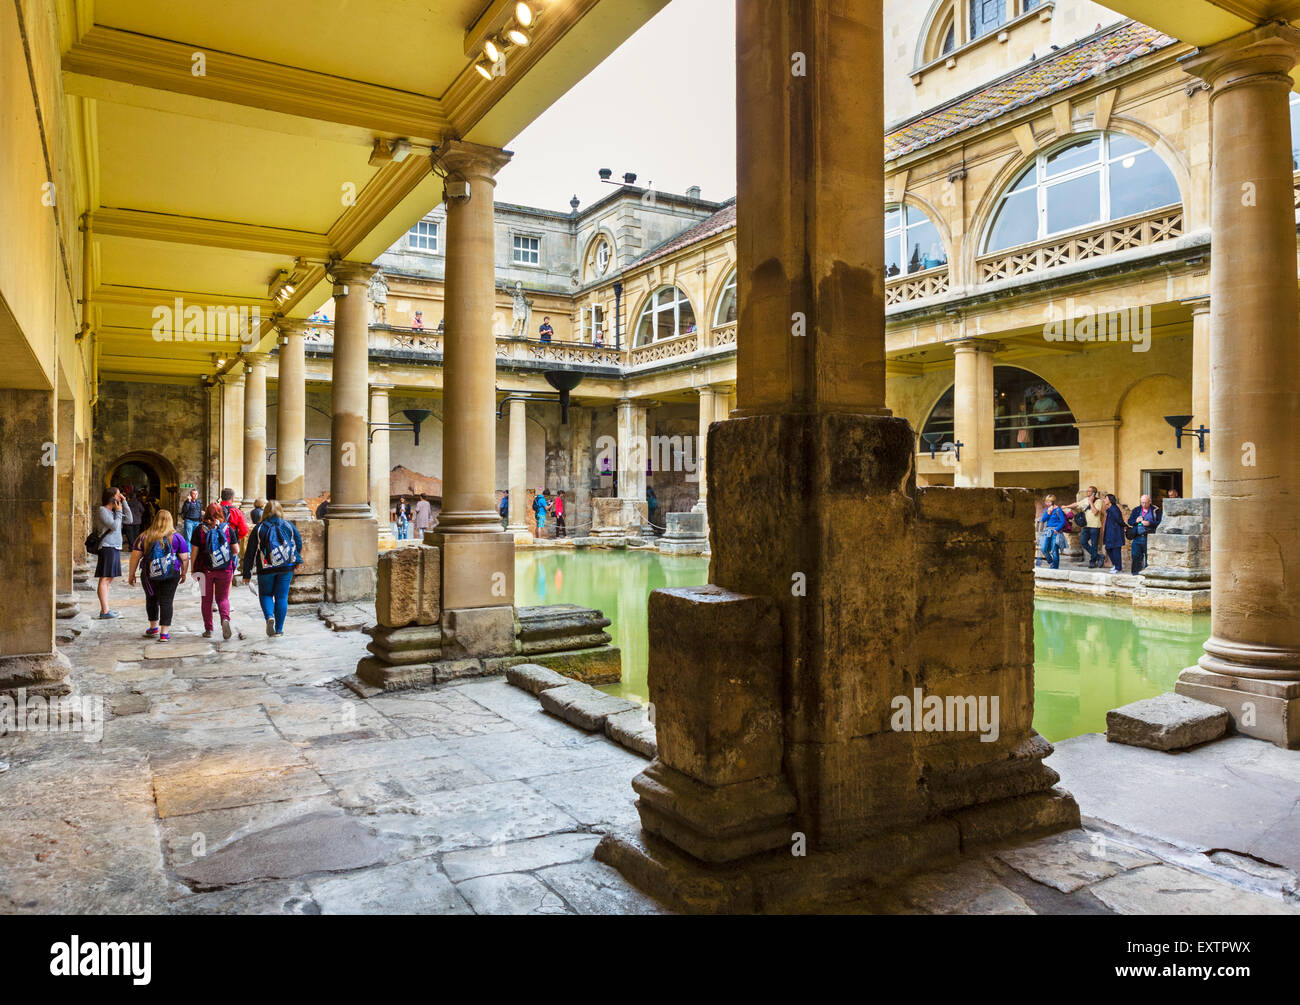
(144, 469)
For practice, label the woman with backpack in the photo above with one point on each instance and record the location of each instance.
(215, 547)
(163, 557)
(275, 550)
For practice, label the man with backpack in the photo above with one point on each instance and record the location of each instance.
(233, 516)
(215, 547)
(274, 550)
(191, 513)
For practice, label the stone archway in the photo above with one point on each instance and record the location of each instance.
(158, 474)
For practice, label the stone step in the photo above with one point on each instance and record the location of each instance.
(583, 705)
(1166, 722)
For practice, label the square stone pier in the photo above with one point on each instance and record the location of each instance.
(845, 702)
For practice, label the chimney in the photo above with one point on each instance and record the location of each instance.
(693, 192)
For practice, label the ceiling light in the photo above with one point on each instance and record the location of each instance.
(518, 36)
(484, 69)
(523, 14)
(492, 50)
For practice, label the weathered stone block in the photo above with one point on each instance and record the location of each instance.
(478, 632)
(415, 644)
(344, 586)
(715, 682)
(614, 517)
(393, 677)
(312, 533)
(534, 679)
(409, 587)
(1166, 722)
(583, 705)
(601, 665)
(634, 730)
(308, 589)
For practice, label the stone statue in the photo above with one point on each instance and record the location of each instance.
(523, 309)
(379, 298)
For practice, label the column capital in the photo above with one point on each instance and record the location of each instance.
(252, 359)
(1199, 305)
(1270, 50)
(470, 160)
(976, 345)
(349, 273)
(293, 326)
(232, 379)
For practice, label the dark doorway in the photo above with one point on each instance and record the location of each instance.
(1158, 484)
(271, 488)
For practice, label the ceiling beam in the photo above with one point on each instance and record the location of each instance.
(140, 296)
(108, 54)
(145, 226)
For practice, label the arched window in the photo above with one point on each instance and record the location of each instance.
(1089, 180)
(666, 313)
(726, 311)
(986, 16)
(912, 242)
(1027, 412)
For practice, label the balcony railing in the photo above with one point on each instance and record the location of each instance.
(724, 335)
(665, 349)
(917, 286)
(1119, 235)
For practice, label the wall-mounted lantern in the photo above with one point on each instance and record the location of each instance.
(1180, 424)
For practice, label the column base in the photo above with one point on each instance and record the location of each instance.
(687, 534)
(478, 570)
(618, 517)
(1265, 709)
(351, 552)
(66, 606)
(297, 510)
(44, 674)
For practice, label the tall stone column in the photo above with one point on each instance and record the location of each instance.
(352, 533)
(517, 469)
(291, 423)
(1201, 486)
(477, 556)
(28, 467)
(973, 413)
(254, 428)
(232, 433)
(1251, 664)
(65, 510)
(778, 688)
(708, 415)
(380, 462)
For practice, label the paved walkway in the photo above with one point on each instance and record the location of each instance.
(243, 777)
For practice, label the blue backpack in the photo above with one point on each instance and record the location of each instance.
(163, 562)
(276, 545)
(218, 546)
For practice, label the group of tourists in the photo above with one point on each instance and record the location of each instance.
(1100, 521)
(408, 518)
(543, 505)
(213, 544)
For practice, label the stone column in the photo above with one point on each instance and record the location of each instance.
(777, 688)
(291, 423)
(626, 513)
(232, 433)
(708, 415)
(477, 556)
(517, 469)
(1251, 664)
(65, 510)
(1200, 487)
(28, 466)
(352, 533)
(254, 428)
(380, 463)
(973, 413)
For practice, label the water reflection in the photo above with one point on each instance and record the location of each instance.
(1089, 657)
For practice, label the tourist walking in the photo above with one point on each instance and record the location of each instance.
(1090, 535)
(233, 516)
(423, 517)
(162, 557)
(1144, 519)
(1052, 526)
(1113, 534)
(130, 517)
(274, 551)
(215, 547)
(403, 519)
(323, 507)
(255, 514)
(147, 508)
(108, 556)
(540, 506)
(191, 513)
(503, 509)
(558, 507)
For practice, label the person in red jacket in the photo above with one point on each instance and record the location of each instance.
(233, 516)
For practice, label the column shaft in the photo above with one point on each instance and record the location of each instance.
(254, 429)
(291, 425)
(232, 434)
(973, 414)
(349, 400)
(1200, 487)
(380, 462)
(517, 468)
(631, 450)
(708, 415)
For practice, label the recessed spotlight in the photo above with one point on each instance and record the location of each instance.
(492, 50)
(518, 36)
(484, 69)
(523, 14)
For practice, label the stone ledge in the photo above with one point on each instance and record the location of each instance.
(535, 679)
(634, 730)
(1166, 722)
(583, 705)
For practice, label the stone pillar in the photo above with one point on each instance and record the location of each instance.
(351, 533)
(65, 510)
(232, 433)
(626, 513)
(780, 688)
(973, 413)
(709, 401)
(1251, 664)
(517, 470)
(28, 467)
(380, 463)
(477, 556)
(291, 423)
(1200, 487)
(254, 428)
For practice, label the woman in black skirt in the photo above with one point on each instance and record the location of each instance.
(108, 566)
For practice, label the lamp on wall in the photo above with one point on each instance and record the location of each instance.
(1180, 424)
(414, 416)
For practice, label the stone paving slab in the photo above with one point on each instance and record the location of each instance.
(1074, 859)
(515, 856)
(414, 887)
(511, 893)
(184, 793)
(1166, 889)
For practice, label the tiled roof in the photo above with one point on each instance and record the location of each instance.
(1063, 69)
(723, 219)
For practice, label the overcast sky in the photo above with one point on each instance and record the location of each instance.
(662, 105)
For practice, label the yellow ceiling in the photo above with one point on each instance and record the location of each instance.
(1204, 22)
(207, 184)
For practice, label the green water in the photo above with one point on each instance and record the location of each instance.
(1089, 656)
